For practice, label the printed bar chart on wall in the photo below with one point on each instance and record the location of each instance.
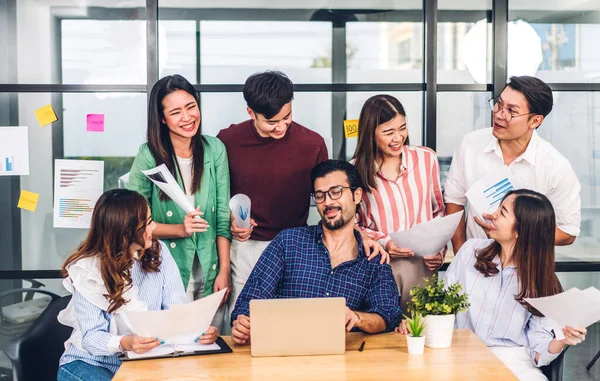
(14, 151)
(77, 186)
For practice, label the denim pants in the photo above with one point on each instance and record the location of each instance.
(82, 371)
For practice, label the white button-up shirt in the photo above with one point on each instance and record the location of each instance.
(540, 168)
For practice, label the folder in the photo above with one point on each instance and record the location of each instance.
(174, 350)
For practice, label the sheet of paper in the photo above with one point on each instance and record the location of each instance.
(78, 184)
(28, 200)
(95, 123)
(429, 237)
(240, 209)
(14, 151)
(486, 194)
(573, 307)
(179, 325)
(351, 128)
(163, 179)
(45, 115)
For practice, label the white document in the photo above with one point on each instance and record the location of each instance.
(163, 179)
(240, 209)
(14, 151)
(179, 325)
(573, 308)
(166, 349)
(486, 194)
(429, 237)
(78, 184)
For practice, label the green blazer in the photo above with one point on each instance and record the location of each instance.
(213, 199)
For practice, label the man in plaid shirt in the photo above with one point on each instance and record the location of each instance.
(326, 260)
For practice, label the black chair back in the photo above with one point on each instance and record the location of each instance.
(35, 354)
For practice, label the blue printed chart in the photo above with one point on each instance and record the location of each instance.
(14, 151)
(77, 186)
(486, 194)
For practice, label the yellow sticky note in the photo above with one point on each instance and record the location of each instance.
(45, 115)
(28, 200)
(351, 128)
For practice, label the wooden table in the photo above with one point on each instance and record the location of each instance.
(385, 357)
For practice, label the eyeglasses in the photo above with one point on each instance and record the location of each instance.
(334, 193)
(507, 113)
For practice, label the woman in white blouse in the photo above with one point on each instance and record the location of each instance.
(498, 273)
(118, 268)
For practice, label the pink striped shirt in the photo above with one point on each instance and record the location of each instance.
(415, 197)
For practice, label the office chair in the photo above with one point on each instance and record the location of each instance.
(16, 318)
(554, 370)
(35, 355)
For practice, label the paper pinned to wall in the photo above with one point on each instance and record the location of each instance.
(28, 200)
(95, 122)
(45, 115)
(78, 184)
(351, 128)
(14, 151)
(486, 194)
(430, 237)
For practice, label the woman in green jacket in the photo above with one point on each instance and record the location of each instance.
(199, 245)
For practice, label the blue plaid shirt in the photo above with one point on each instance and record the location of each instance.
(296, 264)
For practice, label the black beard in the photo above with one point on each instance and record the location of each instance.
(333, 225)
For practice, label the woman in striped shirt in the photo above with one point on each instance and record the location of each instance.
(498, 273)
(403, 184)
(118, 268)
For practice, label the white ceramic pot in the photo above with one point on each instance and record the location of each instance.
(416, 345)
(438, 331)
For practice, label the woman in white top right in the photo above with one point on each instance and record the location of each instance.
(498, 273)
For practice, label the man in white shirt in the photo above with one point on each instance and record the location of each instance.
(513, 142)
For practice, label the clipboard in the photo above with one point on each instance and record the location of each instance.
(220, 342)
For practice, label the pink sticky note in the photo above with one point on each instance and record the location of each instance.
(95, 122)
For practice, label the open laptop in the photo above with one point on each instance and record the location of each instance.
(297, 327)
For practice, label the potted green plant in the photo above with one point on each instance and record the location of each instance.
(415, 339)
(439, 304)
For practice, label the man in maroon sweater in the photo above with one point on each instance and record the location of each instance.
(270, 159)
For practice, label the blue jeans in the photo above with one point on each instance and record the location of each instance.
(82, 371)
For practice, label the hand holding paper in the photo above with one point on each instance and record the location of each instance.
(194, 223)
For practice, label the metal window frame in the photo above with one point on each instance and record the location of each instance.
(430, 17)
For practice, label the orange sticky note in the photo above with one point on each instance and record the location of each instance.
(45, 115)
(28, 200)
(351, 128)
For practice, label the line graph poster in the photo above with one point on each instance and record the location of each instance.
(77, 186)
(14, 151)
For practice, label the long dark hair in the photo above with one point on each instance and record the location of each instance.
(533, 253)
(118, 221)
(159, 141)
(377, 110)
